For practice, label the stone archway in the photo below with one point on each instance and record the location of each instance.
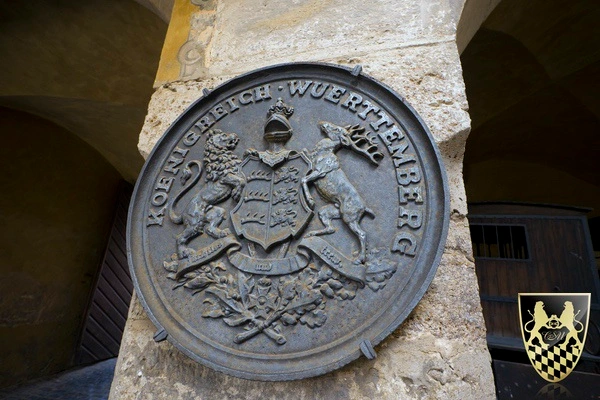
(87, 66)
(75, 80)
(531, 74)
(531, 94)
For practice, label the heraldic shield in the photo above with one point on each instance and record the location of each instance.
(272, 208)
(554, 327)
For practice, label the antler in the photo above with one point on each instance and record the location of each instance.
(363, 144)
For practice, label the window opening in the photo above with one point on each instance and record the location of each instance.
(499, 241)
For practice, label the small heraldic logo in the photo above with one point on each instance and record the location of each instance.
(554, 328)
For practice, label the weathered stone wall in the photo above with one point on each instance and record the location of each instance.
(440, 350)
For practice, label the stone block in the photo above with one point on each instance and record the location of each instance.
(250, 33)
(440, 350)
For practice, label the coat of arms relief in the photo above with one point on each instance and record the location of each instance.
(283, 273)
(288, 221)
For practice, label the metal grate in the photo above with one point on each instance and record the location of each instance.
(499, 241)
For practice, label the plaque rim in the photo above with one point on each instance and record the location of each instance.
(364, 83)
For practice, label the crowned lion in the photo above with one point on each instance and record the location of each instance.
(223, 180)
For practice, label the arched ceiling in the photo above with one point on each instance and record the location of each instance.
(86, 65)
(532, 75)
(562, 36)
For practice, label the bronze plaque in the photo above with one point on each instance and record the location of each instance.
(288, 222)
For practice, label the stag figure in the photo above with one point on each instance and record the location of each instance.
(332, 183)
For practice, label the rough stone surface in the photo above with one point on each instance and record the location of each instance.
(315, 29)
(167, 103)
(440, 350)
(433, 368)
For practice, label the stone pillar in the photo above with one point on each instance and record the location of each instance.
(440, 350)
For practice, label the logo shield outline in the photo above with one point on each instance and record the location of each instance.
(554, 330)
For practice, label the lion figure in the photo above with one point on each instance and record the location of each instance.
(567, 319)
(540, 318)
(223, 180)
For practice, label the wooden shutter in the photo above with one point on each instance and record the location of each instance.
(107, 313)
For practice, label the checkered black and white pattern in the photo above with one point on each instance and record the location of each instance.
(555, 363)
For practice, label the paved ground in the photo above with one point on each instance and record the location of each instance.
(87, 383)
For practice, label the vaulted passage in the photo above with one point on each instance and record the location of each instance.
(75, 80)
(532, 75)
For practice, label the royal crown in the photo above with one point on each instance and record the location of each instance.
(278, 128)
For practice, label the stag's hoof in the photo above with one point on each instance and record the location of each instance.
(358, 261)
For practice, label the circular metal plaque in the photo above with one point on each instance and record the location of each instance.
(288, 222)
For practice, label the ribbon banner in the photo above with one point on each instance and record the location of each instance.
(206, 255)
(334, 258)
(283, 266)
(271, 266)
(267, 266)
